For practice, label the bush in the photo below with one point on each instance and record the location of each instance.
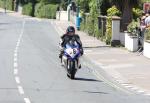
(113, 11)
(132, 27)
(28, 9)
(108, 30)
(147, 34)
(136, 13)
(46, 11)
(9, 4)
(1, 4)
(38, 9)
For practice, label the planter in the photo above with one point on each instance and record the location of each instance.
(131, 42)
(146, 51)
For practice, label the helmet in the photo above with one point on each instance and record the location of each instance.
(70, 29)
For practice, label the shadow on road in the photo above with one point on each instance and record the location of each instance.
(5, 23)
(85, 79)
(96, 46)
(95, 92)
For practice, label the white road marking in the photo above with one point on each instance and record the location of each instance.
(19, 40)
(17, 80)
(147, 94)
(15, 59)
(27, 100)
(107, 60)
(15, 64)
(15, 55)
(108, 82)
(20, 89)
(140, 91)
(87, 51)
(15, 71)
(134, 88)
(124, 84)
(118, 66)
(17, 44)
(128, 86)
(120, 81)
(15, 51)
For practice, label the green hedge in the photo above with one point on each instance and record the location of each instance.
(8, 3)
(90, 26)
(1, 3)
(45, 11)
(147, 34)
(113, 11)
(28, 9)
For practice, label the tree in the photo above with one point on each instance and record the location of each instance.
(125, 7)
(84, 5)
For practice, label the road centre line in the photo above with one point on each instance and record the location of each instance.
(15, 64)
(15, 51)
(15, 71)
(21, 90)
(27, 100)
(17, 80)
(15, 54)
(15, 59)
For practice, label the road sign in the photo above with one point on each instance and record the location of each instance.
(146, 7)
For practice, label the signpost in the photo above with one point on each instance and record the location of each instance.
(146, 7)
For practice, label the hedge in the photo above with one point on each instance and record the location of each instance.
(28, 9)
(90, 26)
(9, 4)
(1, 4)
(45, 11)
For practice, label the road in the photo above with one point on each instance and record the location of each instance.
(30, 70)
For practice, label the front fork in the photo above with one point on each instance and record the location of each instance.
(78, 64)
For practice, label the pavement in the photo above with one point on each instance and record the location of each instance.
(129, 70)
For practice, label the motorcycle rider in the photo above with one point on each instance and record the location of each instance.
(69, 35)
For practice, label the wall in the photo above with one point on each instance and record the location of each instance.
(122, 38)
(62, 15)
(146, 49)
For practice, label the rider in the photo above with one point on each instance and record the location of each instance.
(70, 34)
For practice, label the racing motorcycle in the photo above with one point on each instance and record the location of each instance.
(70, 58)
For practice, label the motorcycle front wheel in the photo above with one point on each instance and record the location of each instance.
(71, 69)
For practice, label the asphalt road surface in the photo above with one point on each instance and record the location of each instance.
(30, 70)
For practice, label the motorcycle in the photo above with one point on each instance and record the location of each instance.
(70, 58)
